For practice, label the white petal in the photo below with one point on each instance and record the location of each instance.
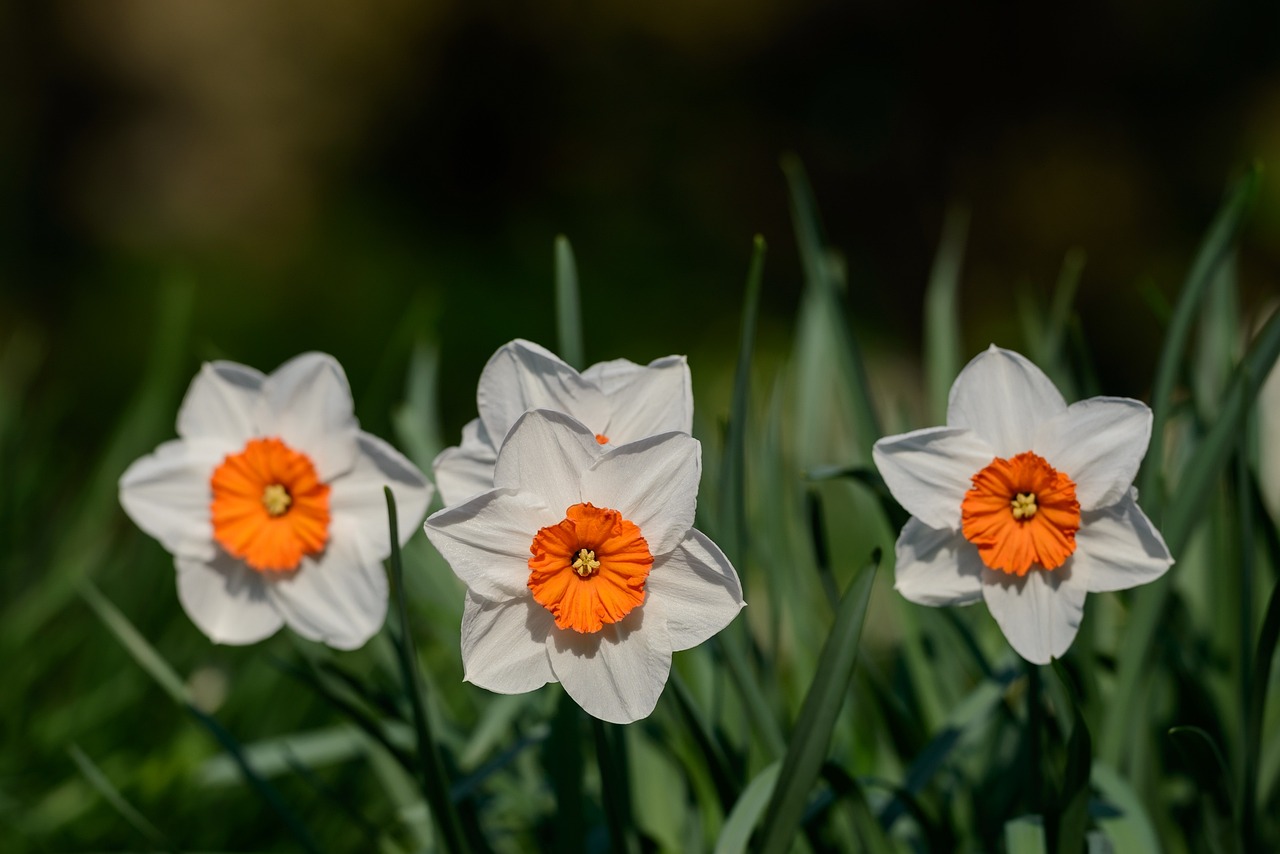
(467, 469)
(696, 590)
(545, 454)
(653, 483)
(167, 494)
(358, 494)
(929, 471)
(644, 401)
(1003, 398)
(617, 673)
(523, 376)
(504, 644)
(1118, 548)
(1099, 443)
(226, 599)
(338, 598)
(1039, 613)
(306, 402)
(486, 540)
(219, 404)
(936, 566)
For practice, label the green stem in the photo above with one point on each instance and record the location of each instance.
(435, 785)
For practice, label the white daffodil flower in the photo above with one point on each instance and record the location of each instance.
(1022, 501)
(619, 401)
(582, 566)
(272, 504)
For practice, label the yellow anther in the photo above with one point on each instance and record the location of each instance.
(1024, 505)
(586, 563)
(276, 499)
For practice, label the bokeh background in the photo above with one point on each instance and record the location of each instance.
(358, 177)
(320, 170)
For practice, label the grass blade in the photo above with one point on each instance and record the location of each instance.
(562, 755)
(568, 305)
(1025, 835)
(611, 755)
(1181, 517)
(733, 487)
(1129, 827)
(435, 785)
(1212, 253)
(134, 643)
(103, 785)
(824, 338)
(155, 665)
(943, 347)
(808, 749)
(1070, 817)
(746, 813)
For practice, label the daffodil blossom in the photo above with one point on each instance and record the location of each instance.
(619, 401)
(271, 502)
(1023, 502)
(582, 566)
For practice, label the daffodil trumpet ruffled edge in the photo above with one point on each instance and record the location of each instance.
(549, 464)
(1002, 406)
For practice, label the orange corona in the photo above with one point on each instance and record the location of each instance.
(589, 569)
(1021, 512)
(269, 507)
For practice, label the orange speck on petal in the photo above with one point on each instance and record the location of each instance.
(602, 439)
(589, 569)
(1021, 511)
(269, 508)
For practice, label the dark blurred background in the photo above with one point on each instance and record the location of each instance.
(327, 173)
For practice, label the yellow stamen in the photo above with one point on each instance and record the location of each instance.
(586, 563)
(1024, 505)
(276, 499)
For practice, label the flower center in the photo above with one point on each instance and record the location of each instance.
(269, 508)
(1021, 511)
(602, 439)
(586, 563)
(1024, 505)
(276, 499)
(590, 568)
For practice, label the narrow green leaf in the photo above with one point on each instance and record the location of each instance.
(611, 756)
(435, 784)
(825, 349)
(1070, 817)
(1206, 466)
(1025, 835)
(974, 711)
(943, 347)
(1217, 344)
(416, 421)
(568, 305)
(155, 665)
(134, 643)
(812, 737)
(1181, 517)
(709, 747)
(733, 487)
(746, 813)
(1127, 824)
(103, 785)
(564, 761)
(1213, 251)
(259, 783)
(1195, 733)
